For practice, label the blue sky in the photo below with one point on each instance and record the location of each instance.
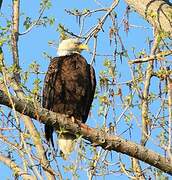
(33, 44)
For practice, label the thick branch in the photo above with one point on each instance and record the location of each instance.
(16, 169)
(158, 13)
(97, 137)
(14, 37)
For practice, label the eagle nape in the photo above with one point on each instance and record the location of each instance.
(69, 88)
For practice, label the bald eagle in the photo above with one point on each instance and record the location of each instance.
(69, 88)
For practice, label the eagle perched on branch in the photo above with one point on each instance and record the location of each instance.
(69, 88)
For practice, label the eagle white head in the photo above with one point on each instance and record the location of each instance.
(70, 46)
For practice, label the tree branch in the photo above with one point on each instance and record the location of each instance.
(101, 22)
(158, 56)
(97, 137)
(27, 121)
(14, 38)
(35, 23)
(157, 13)
(169, 80)
(16, 169)
(145, 95)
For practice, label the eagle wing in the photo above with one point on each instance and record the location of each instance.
(49, 95)
(90, 92)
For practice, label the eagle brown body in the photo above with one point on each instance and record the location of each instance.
(69, 88)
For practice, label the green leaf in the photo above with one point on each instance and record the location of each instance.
(27, 23)
(51, 21)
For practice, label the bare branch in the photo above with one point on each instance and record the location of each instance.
(159, 56)
(86, 14)
(99, 26)
(94, 50)
(97, 137)
(13, 145)
(16, 169)
(14, 38)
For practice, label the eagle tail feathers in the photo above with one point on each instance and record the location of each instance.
(49, 134)
(66, 142)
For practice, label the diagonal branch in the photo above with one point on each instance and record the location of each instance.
(101, 22)
(95, 136)
(35, 23)
(16, 169)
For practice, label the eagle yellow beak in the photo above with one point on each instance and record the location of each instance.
(83, 47)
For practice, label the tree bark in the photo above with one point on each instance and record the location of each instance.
(16, 169)
(157, 12)
(27, 121)
(14, 38)
(96, 137)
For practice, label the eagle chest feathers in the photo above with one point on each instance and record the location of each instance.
(74, 79)
(69, 88)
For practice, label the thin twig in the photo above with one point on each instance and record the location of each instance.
(126, 108)
(86, 14)
(34, 23)
(94, 50)
(32, 163)
(158, 56)
(101, 22)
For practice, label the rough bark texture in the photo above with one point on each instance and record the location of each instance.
(157, 12)
(97, 137)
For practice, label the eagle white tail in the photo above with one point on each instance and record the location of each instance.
(66, 144)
